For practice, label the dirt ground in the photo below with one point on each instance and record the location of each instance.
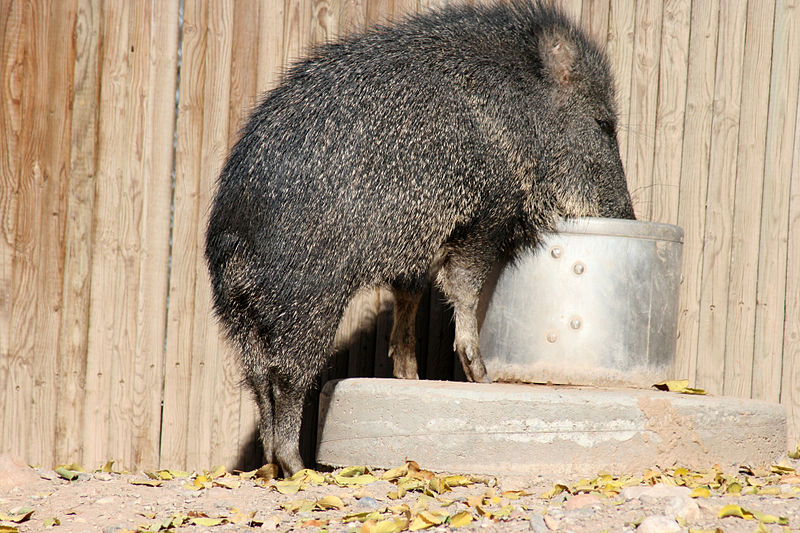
(736, 499)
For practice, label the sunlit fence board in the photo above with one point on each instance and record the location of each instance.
(108, 346)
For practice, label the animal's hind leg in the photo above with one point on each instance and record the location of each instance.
(262, 389)
(403, 338)
(289, 399)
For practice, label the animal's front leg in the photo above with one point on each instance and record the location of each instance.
(403, 339)
(461, 281)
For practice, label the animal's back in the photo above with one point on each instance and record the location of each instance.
(372, 149)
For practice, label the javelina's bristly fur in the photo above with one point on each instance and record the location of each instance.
(429, 148)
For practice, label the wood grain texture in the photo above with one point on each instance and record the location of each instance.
(620, 45)
(594, 19)
(672, 78)
(73, 342)
(708, 93)
(790, 384)
(696, 154)
(13, 84)
(211, 398)
(720, 197)
(43, 179)
(751, 155)
(776, 331)
(643, 106)
(186, 256)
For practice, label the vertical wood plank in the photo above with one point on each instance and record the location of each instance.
(572, 8)
(45, 160)
(213, 398)
(14, 84)
(73, 344)
(158, 62)
(296, 29)
(270, 44)
(755, 88)
(106, 295)
(324, 20)
(594, 19)
(776, 331)
(696, 154)
(672, 80)
(643, 106)
(404, 8)
(177, 427)
(720, 199)
(352, 15)
(379, 11)
(243, 98)
(790, 386)
(621, 30)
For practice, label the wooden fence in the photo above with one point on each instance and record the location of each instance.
(107, 347)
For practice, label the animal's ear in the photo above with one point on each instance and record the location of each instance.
(559, 56)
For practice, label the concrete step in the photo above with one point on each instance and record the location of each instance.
(521, 429)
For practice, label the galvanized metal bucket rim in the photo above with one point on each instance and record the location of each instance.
(615, 227)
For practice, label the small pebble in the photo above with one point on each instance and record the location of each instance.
(658, 524)
(552, 522)
(581, 500)
(537, 524)
(103, 476)
(368, 502)
(685, 508)
(656, 492)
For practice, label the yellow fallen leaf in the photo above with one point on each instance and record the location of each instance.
(8, 529)
(302, 506)
(700, 492)
(206, 522)
(227, 482)
(267, 472)
(796, 453)
(241, 517)
(394, 525)
(308, 476)
(674, 385)
(17, 516)
(514, 494)
(770, 519)
(330, 502)
(66, 473)
(781, 469)
(424, 520)
(735, 510)
(558, 488)
(678, 385)
(458, 481)
(107, 468)
(352, 471)
(395, 473)
(217, 471)
(461, 519)
(287, 486)
(362, 479)
(146, 482)
(438, 485)
(363, 516)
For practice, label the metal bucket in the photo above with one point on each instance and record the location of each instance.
(597, 304)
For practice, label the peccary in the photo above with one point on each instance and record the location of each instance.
(426, 149)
